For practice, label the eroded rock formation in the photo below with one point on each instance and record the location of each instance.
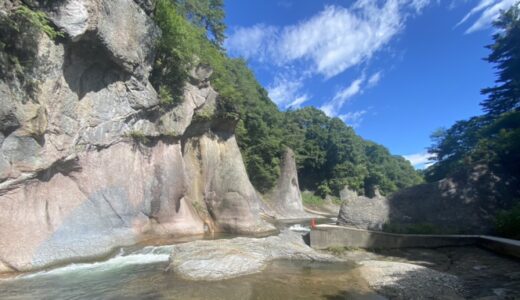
(91, 160)
(285, 199)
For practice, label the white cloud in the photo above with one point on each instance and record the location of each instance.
(419, 160)
(374, 79)
(337, 38)
(326, 44)
(251, 42)
(332, 107)
(353, 119)
(487, 11)
(285, 92)
(419, 4)
(298, 102)
(332, 41)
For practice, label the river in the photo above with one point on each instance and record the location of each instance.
(138, 272)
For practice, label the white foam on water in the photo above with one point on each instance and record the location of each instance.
(147, 255)
(299, 228)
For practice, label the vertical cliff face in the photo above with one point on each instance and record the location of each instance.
(90, 160)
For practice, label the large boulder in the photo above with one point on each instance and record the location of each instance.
(363, 212)
(223, 259)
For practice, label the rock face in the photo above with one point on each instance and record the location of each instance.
(451, 205)
(286, 199)
(363, 212)
(466, 205)
(223, 259)
(91, 161)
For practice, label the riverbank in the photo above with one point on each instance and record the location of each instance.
(473, 272)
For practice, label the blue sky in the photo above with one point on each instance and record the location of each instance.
(395, 70)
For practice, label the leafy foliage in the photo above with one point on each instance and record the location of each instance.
(309, 198)
(330, 155)
(19, 30)
(207, 14)
(508, 223)
(39, 20)
(505, 54)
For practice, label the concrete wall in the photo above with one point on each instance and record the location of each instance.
(325, 236)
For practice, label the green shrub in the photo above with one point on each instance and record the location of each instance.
(323, 190)
(336, 250)
(336, 200)
(311, 199)
(19, 31)
(139, 136)
(39, 20)
(507, 223)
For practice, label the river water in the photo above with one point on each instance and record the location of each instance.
(139, 273)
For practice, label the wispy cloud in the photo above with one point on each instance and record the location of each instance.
(333, 107)
(486, 12)
(251, 42)
(285, 92)
(332, 41)
(354, 118)
(419, 160)
(298, 102)
(374, 79)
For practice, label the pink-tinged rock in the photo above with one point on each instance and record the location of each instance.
(286, 199)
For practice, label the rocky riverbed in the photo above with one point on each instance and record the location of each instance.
(442, 273)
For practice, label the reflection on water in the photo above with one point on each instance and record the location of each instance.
(120, 280)
(139, 273)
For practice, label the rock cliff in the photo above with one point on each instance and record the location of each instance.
(90, 160)
(285, 199)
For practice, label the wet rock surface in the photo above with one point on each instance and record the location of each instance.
(223, 259)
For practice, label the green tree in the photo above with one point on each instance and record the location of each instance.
(490, 142)
(505, 54)
(207, 14)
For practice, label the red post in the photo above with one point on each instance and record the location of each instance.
(313, 223)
